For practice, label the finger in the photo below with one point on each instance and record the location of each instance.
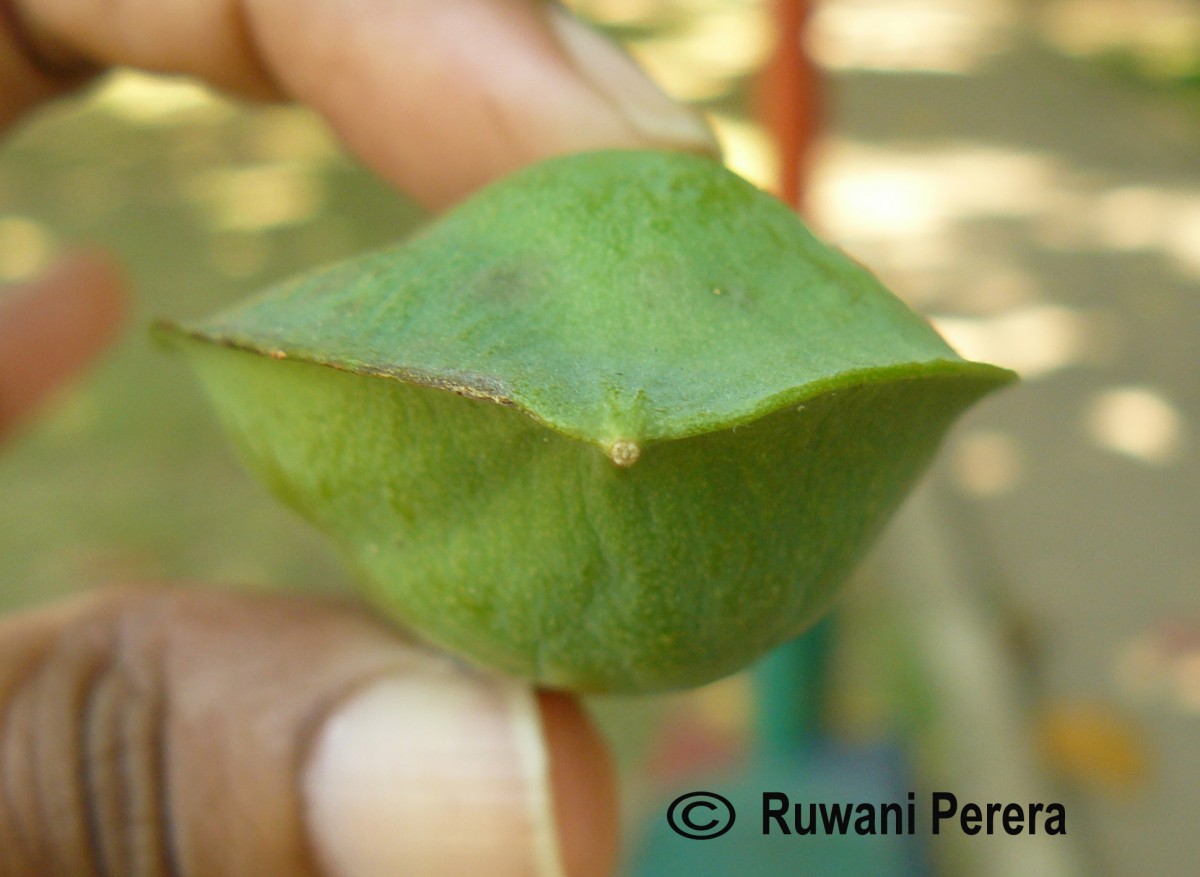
(26, 79)
(439, 96)
(212, 735)
(51, 327)
(442, 97)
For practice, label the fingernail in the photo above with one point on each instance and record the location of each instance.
(443, 773)
(626, 87)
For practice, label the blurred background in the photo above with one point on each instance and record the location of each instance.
(1026, 173)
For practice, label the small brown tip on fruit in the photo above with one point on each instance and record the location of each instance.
(624, 453)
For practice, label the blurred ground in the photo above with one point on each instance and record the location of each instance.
(1046, 215)
(127, 477)
(1044, 211)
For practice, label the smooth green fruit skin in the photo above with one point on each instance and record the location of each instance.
(449, 412)
(531, 552)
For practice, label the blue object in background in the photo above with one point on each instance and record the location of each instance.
(794, 758)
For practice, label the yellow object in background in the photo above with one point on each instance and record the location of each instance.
(1094, 745)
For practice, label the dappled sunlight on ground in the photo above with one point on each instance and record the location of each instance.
(258, 196)
(1137, 422)
(1046, 216)
(931, 36)
(704, 58)
(25, 247)
(1032, 340)
(867, 191)
(1160, 37)
(155, 101)
(987, 462)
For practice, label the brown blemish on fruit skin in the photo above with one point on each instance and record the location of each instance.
(468, 384)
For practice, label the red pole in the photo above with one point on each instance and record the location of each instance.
(788, 98)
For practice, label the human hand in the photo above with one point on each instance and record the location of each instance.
(190, 732)
(154, 732)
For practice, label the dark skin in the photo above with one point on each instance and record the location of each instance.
(110, 761)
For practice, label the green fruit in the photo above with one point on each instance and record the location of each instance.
(618, 423)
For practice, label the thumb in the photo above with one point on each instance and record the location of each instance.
(211, 735)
